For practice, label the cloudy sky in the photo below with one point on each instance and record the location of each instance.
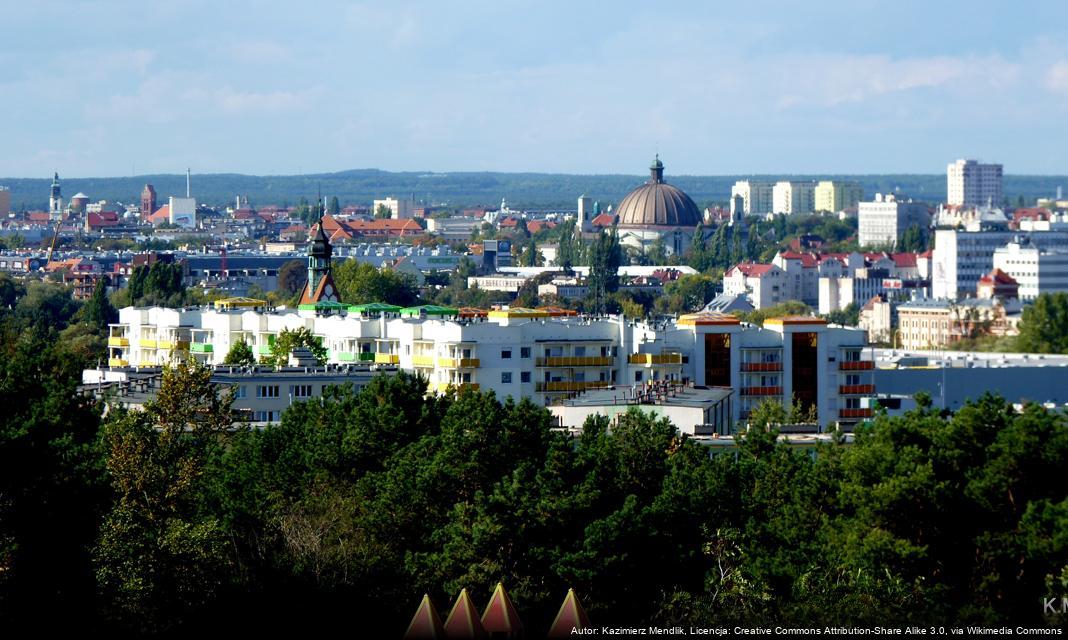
(118, 88)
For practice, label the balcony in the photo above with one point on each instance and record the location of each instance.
(458, 363)
(118, 362)
(856, 365)
(655, 358)
(147, 343)
(366, 356)
(856, 389)
(761, 391)
(575, 361)
(264, 350)
(201, 347)
(116, 341)
(854, 414)
(761, 366)
(178, 345)
(423, 361)
(571, 385)
(387, 358)
(459, 386)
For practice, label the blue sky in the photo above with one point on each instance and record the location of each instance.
(116, 88)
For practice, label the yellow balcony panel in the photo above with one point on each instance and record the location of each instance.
(147, 363)
(655, 358)
(387, 358)
(575, 361)
(178, 345)
(423, 361)
(458, 363)
(116, 341)
(147, 343)
(459, 386)
(571, 385)
(118, 362)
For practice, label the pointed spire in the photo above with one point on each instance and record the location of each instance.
(463, 622)
(500, 615)
(570, 617)
(426, 623)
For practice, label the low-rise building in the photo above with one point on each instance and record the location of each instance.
(936, 323)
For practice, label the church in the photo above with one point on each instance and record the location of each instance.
(657, 211)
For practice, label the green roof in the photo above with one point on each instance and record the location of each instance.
(430, 310)
(329, 305)
(373, 307)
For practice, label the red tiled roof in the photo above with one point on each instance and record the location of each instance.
(904, 260)
(750, 269)
(997, 276)
(537, 225)
(508, 222)
(807, 259)
(603, 220)
(1032, 213)
(106, 219)
(38, 216)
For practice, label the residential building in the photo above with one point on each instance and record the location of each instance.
(877, 319)
(763, 284)
(497, 282)
(758, 198)
(961, 256)
(399, 208)
(695, 411)
(971, 184)
(837, 293)
(1036, 270)
(998, 284)
(833, 195)
(932, 324)
(793, 198)
(882, 222)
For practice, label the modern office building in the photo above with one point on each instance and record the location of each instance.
(793, 198)
(971, 184)
(881, 223)
(757, 197)
(835, 195)
(1036, 270)
(960, 257)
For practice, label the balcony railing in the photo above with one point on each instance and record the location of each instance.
(856, 389)
(575, 361)
(201, 347)
(459, 386)
(116, 341)
(177, 345)
(848, 414)
(458, 363)
(147, 343)
(570, 385)
(387, 358)
(118, 362)
(655, 358)
(264, 350)
(423, 360)
(761, 391)
(761, 366)
(856, 365)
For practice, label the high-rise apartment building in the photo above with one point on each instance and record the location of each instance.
(971, 184)
(793, 198)
(757, 197)
(881, 222)
(835, 195)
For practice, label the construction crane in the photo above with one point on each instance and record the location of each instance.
(52, 247)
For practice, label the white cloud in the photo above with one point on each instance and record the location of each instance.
(1057, 77)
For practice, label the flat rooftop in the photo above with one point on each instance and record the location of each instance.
(887, 358)
(641, 395)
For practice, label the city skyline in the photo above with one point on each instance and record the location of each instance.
(855, 88)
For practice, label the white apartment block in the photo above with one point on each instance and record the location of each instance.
(961, 257)
(882, 221)
(793, 198)
(1036, 270)
(526, 353)
(834, 196)
(764, 284)
(757, 197)
(971, 184)
(399, 209)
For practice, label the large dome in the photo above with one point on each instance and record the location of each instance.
(657, 204)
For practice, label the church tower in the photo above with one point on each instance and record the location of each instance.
(320, 286)
(55, 199)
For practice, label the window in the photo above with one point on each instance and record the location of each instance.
(637, 376)
(506, 354)
(524, 352)
(267, 391)
(580, 352)
(524, 376)
(240, 391)
(265, 416)
(301, 390)
(506, 377)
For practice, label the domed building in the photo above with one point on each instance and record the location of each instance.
(657, 211)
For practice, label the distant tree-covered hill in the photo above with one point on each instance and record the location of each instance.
(533, 190)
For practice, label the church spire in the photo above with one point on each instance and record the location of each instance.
(656, 170)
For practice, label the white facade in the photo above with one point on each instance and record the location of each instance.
(792, 198)
(834, 196)
(399, 209)
(960, 258)
(757, 197)
(882, 221)
(585, 214)
(528, 354)
(183, 212)
(1037, 271)
(971, 184)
